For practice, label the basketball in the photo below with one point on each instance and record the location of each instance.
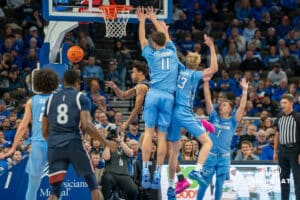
(75, 54)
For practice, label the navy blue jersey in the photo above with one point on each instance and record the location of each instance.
(63, 111)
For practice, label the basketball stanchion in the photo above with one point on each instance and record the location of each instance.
(115, 18)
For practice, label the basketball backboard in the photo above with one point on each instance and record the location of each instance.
(88, 10)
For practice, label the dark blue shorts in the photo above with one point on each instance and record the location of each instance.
(73, 153)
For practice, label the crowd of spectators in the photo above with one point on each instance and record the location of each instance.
(261, 43)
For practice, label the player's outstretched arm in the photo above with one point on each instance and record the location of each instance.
(159, 25)
(207, 94)
(141, 91)
(21, 128)
(213, 57)
(142, 33)
(88, 126)
(120, 93)
(241, 110)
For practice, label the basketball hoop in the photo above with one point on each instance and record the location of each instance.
(116, 18)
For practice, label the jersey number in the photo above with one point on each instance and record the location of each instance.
(181, 82)
(165, 63)
(62, 117)
(42, 113)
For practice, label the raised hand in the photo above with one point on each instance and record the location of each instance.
(140, 12)
(208, 41)
(150, 12)
(164, 26)
(244, 84)
(110, 84)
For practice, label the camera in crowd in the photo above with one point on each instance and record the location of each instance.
(112, 134)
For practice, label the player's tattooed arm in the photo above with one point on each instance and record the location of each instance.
(207, 94)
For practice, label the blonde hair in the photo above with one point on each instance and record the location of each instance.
(193, 60)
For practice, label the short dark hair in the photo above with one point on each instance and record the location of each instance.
(71, 76)
(140, 66)
(45, 80)
(159, 38)
(288, 97)
(247, 142)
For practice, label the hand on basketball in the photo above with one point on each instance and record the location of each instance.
(244, 84)
(110, 84)
(140, 12)
(208, 41)
(151, 13)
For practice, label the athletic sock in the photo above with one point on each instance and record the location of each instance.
(180, 176)
(158, 168)
(198, 167)
(145, 165)
(172, 183)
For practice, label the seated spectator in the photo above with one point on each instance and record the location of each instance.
(232, 58)
(4, 112)
(187, 44)
(17, 157)
(289, 63)
(8, 131)
(188, 153)
(112, 74)
(3, 142)
(8, 45)
(122, 58)
(272, 57)
(283, 29)
(17, 87)
(268, 123)
(281, 90)
(276, 74)
(236, 139)
(249, 31)
(251, 63)
(238, 39)
(262, 118)
(196, 147)
(4, 166)
(118, 119)
(104, 123)
(250, 135)
(30, 61)
(256, 52)
(271, 38)
(91, 70)
(96, 146)
(176, 12)
(134, 132)
(199, 24)
(257, 40)
(98, 165)
(246, 152)
(258, 10)
(243, 12)
(182, 25)
(251, 109)
(268, 151)
(260, 143)
(293, 49)
(225, 83)
(116, 171)
(269, 106)
(266, 22)
(88, 50)
(33, 33)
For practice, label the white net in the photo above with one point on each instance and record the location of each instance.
(116, 28)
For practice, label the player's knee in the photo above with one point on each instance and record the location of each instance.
(91, 181)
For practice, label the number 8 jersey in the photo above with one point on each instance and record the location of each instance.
(63, 111)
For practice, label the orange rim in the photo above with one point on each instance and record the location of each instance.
(111, 11)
